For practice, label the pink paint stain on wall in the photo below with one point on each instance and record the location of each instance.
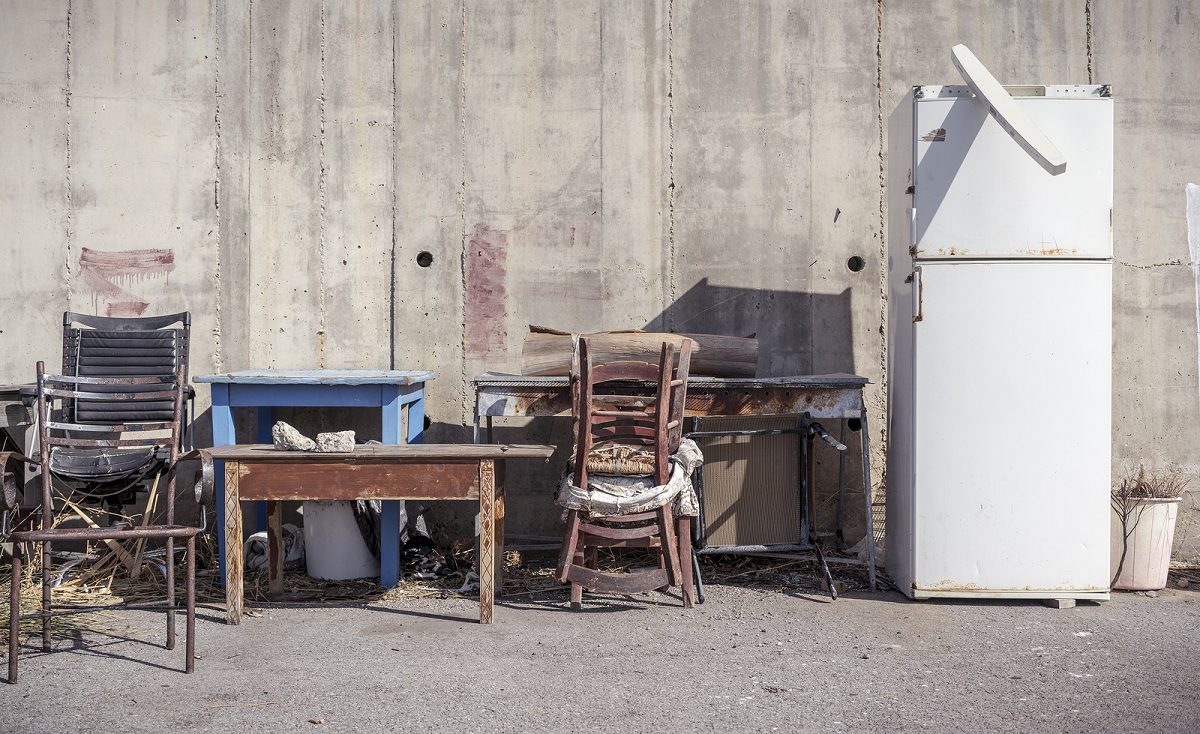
(107, 274)
(485, 273)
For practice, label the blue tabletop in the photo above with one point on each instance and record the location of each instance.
(321, 377)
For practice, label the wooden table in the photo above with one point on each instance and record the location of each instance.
(373, 471)
(397, 393)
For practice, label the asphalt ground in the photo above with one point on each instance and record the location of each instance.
(763, 657)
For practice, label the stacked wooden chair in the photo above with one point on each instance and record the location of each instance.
(619, 432)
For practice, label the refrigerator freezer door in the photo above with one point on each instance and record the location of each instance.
(1011, 430)
(979, 195)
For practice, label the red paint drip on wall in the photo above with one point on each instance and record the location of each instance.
(106, 273)
(485, 273)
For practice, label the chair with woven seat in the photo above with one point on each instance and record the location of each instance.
(626, 437)
(105, 432)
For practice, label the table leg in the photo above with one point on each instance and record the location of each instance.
(501, 475)
(233, 548)
(389, 543)
(392, 431)
(274, 547)
(487, 528)
(416, 418)
(223, 435)
(266, 421)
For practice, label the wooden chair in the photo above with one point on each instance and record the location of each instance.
(110, 423)
(643, 432)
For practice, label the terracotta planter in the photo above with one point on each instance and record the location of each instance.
(1151, 531)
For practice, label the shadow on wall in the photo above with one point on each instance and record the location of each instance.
(798, 333)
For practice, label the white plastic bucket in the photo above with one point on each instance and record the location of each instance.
(334, 548)
(1151, 530)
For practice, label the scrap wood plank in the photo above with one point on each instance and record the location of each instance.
(548, 352)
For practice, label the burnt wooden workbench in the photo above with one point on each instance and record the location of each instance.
(837, 396)
(374, 471)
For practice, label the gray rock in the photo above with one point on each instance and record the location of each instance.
(338, 442)
(287, 438)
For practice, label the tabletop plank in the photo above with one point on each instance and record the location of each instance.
(392, 452)
(320, 377)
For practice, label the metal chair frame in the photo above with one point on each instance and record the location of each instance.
(61, 400)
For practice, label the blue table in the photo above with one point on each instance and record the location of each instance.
(394, 392)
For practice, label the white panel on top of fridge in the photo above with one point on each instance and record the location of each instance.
(1011, 429)
(978, 195)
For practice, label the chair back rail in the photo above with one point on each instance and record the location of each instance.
(76, 445)
(105, 347)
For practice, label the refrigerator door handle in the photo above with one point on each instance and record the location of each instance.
(918, 292)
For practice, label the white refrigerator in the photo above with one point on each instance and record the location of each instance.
(1000, 343)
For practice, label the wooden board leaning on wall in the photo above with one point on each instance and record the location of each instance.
(548, 351)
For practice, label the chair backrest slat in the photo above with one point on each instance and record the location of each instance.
(654, 421)
(101, 347)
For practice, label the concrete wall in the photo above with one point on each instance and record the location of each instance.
(700, 165)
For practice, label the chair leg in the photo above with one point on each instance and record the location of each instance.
(566, 554)
(687, 583)
(190, 644)
(46, 596)
(14, 611)
(170, 566)
(576, 597)
(669, 543)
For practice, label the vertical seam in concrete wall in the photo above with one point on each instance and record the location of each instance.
(603, 85)
(321, 193)
(880, 122)
(1087, 14)
(70, 223)
(248, 187)
(462, 204)
(217, 152)
(671, 286)
(395, 197)
(1192, 198)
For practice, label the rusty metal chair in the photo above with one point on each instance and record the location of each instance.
(91, 431)
(619, 432)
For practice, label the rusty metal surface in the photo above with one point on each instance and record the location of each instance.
(703, 400)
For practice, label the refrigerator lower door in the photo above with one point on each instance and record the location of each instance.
(1011, 421)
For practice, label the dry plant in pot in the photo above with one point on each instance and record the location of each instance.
(1144, 507)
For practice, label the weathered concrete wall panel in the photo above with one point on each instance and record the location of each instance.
(142, 166)
(33, 184)
(533, 188)
(358, 185)
(429, 175)
(286, 196)
(1147, 51)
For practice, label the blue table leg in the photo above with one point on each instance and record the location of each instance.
(266, 420)
(389, 518)
(222, 422)
(416, 415)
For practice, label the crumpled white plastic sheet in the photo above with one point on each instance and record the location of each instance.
(254, 550)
